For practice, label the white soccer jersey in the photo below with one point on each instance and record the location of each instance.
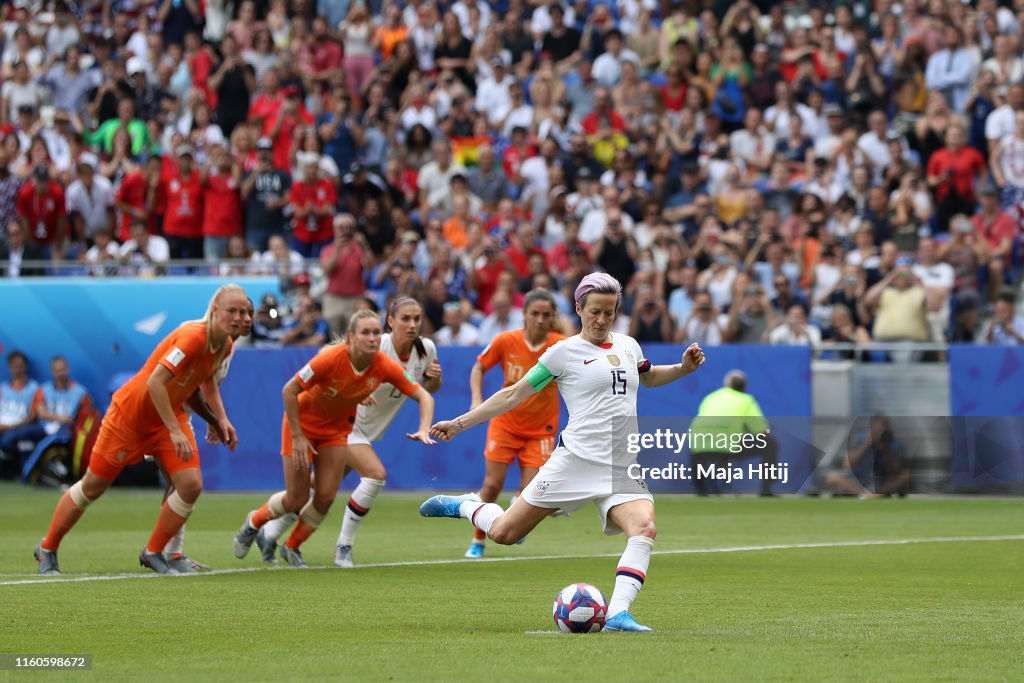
(598, 385)
(373, 420)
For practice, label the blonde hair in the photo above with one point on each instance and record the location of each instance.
(363, 314)
(221, 292)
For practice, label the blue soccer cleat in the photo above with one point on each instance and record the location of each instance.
(475, 550)
(446, 506)
(624, 621)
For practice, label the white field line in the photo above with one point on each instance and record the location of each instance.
(531, 558)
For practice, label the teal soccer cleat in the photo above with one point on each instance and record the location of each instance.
(475, 550)
(445, 506)
(624, 621)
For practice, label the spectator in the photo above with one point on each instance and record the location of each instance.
(90, 203)
(19, 249)
(18, 411)
(876, 467)
(503, 317)
(1000, 231)
(750, 317)
(795, 330)
(268, 322)
(144, 253)
(312, 199)
(59, 400)
(899, 303)
(706, 325)
(616, 251)
(43, 212)
(842, 329)
(953, 173)
(222, 209)
(181, 197)
(307, 328)
(967, 251)
(1005, 328)
(103, 254)
(456, 332)
(344, 261)
(136, 199)
(649, 319)
(265, 191)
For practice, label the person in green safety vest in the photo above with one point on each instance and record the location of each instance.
(730, 426)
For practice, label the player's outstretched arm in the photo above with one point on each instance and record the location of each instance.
(659, 375)
(426, 402)
(501, 402)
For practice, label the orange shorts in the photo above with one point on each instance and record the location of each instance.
(339, 438)
(119, 445)
(504, 446)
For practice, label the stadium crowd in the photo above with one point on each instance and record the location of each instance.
(762, 171)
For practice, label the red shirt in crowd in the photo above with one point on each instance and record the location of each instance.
(181, 201)
(592, 123)
(558, 255)
(997, 229)
(487, 282)
(222, 205)
(313, 229)
(964, 165)
(521, 259)
(513, 158)
(265, 107)
(346, 277)
(45, 214)
(132, 192)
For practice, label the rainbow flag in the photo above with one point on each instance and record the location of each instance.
(466, 151)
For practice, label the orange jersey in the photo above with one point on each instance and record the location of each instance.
(189, 358)
(537, 416)
(333, 390)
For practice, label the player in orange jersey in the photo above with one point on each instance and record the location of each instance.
(320, 404)
(528, 432)
(174, 551)
(148, 415)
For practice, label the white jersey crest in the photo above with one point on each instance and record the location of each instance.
(598, 385)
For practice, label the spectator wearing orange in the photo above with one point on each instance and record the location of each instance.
(390, 33)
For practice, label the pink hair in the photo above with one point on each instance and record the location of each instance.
(597, 283)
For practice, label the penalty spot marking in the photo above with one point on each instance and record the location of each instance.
(529, 558)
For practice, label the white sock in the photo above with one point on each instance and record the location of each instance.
(176, 544)
(482, 515)
(358, 505)
(632, 571)
(275, 528)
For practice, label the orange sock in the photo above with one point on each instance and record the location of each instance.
(168, 524)
(479, 536)
(261, 516)
(65, 516)
(302, 531)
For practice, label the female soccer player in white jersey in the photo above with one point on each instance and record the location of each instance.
(418, 356)
(597, 374)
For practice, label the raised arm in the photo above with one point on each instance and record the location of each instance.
(659, 375)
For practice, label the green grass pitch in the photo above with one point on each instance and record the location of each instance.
(823, 604)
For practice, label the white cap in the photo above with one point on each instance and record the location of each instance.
(135, 65)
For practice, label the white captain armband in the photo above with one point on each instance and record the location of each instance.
(539, 376)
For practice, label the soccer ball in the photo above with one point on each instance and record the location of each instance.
(579, 608)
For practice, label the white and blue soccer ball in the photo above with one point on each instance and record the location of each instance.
(580, 608)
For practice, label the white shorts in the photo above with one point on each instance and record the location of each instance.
(357, 438)
(567, 482)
